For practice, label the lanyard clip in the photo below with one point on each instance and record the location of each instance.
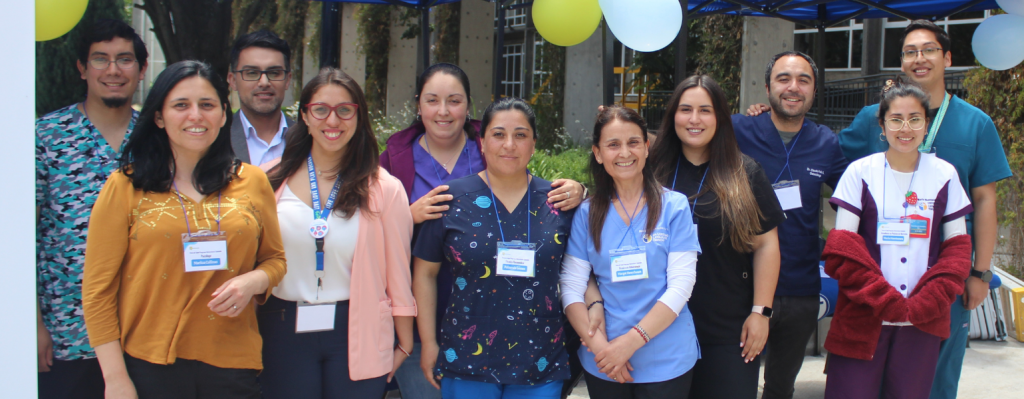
(320, 245)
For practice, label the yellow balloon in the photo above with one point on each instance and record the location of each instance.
(566, 22)
(54, 18)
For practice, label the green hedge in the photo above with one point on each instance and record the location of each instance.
(569, 164)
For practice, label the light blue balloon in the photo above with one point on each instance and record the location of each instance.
(999, 42)
(643, 25)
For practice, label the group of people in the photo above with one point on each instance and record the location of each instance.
(688, 256)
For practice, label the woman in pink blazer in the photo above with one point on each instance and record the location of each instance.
(329, 328)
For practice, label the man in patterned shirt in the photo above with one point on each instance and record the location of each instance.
(77, 147)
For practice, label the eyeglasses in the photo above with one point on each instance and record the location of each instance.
(101, 63)
(931, 52)
(896, 124)
(322, 111)
(253, 75)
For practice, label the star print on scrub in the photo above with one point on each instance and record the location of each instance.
(498, 329)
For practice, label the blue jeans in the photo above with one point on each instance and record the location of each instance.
(462, 389)
(411, 381)
(951, 352)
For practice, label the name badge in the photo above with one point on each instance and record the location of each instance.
(919, 225)
(313, 317)
(893, 233)
(628, 264)
(205, 251)
(516, 259)
(788, 193)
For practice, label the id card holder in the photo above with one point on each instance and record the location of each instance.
(516, 259)
(205, 250)
(788, 193)
(893, 233)
(628, 264)
(919, 225)
(313, 317)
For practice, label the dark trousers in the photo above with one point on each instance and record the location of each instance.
(310, 365)
(81, 379)
(676, 388)
(789, 330)
(191, 379)
(902, 368)
(721, 373)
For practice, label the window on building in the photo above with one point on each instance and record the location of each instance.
(516, 17)
(541, 72)
(512, 82)
(960, 28)
(842, 44)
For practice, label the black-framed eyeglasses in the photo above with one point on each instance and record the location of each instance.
(322, 111)
(103, 63)
(931, 52)
(896, 124)
(253, 75)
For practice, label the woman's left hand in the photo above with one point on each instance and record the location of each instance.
(754, 336)
(400, 357)
(612, 359)
(565, 194)
(232, 297)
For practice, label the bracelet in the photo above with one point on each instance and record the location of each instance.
(643, 334)
(403, 350)
(595, 303)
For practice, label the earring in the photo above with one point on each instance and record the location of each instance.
(881, 137)
(417, 117)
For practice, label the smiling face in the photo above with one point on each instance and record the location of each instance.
(443, 106)
(192, 115)
(791, 90)
(622, 150)
(263, 96)
(905, 139)
(115, 86)
(508, 143)
(926, 71)
(695, 118)
(333, 133)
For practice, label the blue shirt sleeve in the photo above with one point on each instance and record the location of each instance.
(579, 238)
(429, 244)
(991, 165)
(860, 139)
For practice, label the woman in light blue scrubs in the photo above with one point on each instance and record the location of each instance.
(639, 240)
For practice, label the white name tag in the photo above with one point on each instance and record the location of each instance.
(516, 259)
(314, 317)
(893, 233)
(628, 264)
(205, 251)
(788, 193)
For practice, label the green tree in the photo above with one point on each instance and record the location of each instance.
(720, 40)
(58, 82)
(192, 30)
(374, 42)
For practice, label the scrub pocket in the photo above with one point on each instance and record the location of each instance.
(464, 349)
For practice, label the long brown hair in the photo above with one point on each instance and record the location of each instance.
(604, 185)
(360, 159)
(727, 178)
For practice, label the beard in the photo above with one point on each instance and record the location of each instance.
(115, 102)
(781, 112)
(262, 107)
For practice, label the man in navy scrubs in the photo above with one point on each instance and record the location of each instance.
(798, 156)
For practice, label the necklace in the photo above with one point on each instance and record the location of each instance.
(445, 163)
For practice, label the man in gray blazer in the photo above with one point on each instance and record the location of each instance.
(260, 74)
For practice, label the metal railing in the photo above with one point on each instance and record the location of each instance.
(845, 98)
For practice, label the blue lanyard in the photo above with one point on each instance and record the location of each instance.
(465, 149)
(495, 203)
(318, 212)
(786, 166)
(635, 213)
(693, 205)
(185, 213)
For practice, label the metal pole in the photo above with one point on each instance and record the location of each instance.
(608, 66)
(684, 32)
(499, 52)
(424, 42)
(819, 93)
(330, 35)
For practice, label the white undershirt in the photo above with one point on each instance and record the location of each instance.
(299, 284)
(681, 274)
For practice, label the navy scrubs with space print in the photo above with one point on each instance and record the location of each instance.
(499, 330)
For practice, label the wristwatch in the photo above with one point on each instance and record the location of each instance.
(762, 310)
(985, 276)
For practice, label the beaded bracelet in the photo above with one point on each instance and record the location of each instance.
(643, 334)
(595, 303)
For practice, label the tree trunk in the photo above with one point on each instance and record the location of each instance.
(193, 30)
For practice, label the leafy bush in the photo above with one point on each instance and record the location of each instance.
(569, 164)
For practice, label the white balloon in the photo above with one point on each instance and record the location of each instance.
(999, 42)
(643, 25)
(1012, 6)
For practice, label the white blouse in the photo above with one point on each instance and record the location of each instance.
(300, 283)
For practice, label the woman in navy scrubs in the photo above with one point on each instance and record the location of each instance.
(502, 333)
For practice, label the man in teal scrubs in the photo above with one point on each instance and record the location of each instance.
(965, 137)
